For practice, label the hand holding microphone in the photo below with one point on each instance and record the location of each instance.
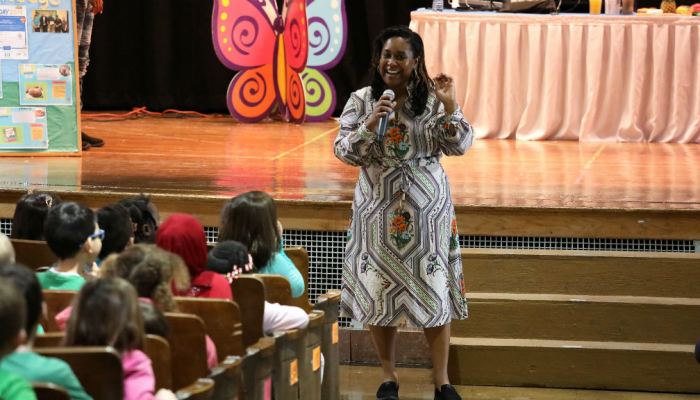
(377, 122)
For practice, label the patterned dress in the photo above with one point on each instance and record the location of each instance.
(402, 263)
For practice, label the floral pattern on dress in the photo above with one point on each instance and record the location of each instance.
(401, 232)
(397, 141)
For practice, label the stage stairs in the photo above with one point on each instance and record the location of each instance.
(579, 319)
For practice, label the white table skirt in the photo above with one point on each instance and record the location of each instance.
(571, 76)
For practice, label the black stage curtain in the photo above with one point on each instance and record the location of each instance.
(159, 54)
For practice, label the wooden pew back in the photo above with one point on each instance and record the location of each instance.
(50, 339)
(99, 369)
(188, 350)
(222, 319)
(300, 258)
(158, 350)
(202, 389)
(310, 360)
(257, 369)
(227, 378)
(249, 292)
(329, 303)
(56, 301)
(33, 253)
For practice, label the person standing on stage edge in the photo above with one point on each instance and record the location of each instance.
(402, 263)
(85, 11)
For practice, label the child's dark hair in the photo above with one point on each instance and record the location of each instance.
(251, 219)
(222, 258)
(154, 321)
(106, 312)
(13, 313)
(30, 214)
(26, 282)
(115, 220)
(67, 227)
(149, 269)
(144, 221)
(422, 84)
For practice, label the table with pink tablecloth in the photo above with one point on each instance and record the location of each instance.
(570, 76)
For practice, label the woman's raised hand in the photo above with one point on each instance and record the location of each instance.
(445, 91)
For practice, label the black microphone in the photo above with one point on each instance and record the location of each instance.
(383, 121)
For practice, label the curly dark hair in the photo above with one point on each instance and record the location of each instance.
(422, 82)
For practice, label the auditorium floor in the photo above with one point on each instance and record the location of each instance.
(360, 383)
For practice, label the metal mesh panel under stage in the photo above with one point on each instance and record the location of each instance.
(326, 250)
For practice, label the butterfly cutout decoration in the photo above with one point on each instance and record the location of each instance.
(281, 58)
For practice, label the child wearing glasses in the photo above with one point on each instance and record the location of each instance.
(73, 235)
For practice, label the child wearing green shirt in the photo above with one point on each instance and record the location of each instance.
(23, 362)
(73, 235)
(12, 318)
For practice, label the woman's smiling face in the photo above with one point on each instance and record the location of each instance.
(396, 63)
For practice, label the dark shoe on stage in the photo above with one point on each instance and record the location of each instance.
(447, 392)
(86, 146)
(388, 391)
(93, 141)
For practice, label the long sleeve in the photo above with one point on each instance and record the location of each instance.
(452, 132)
(212, 355)
(282, 265)
(277, 317)
(354, 143)
(139, 380)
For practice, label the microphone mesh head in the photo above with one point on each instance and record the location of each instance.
(390, 93)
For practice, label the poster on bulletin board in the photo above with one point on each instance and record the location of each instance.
(39, 97)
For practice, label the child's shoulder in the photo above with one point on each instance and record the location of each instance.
(42, 368)
(13, 387)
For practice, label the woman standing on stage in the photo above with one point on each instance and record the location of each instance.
(402, 262)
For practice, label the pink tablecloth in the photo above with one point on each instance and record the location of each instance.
(570, 77)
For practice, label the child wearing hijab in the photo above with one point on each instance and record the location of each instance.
(183, 235)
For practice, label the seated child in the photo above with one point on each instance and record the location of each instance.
(12, 316)
(154, 321)
(24, 362)
(144, 216)
(107, 313)
(276, 317)
(73, 235)
(183, 235)
(152, 271)
(251, 218)
(30, 214)
(114, 219)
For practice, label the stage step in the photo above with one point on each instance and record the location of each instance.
(591, 318)
(601, 273)
(574, 364)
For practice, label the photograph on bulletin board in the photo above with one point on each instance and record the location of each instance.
(45, 84)
(39, 98)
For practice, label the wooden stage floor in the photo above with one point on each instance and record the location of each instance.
(361, 383)
(510, 188)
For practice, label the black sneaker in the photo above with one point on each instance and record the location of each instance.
(388, 391)
(447, 392)
(93, 141)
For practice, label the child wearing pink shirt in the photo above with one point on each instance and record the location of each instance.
(106, 313)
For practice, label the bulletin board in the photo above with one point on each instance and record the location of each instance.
(40, 93)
